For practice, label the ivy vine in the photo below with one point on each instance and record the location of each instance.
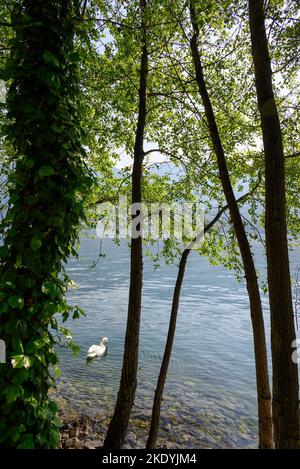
(47, 186)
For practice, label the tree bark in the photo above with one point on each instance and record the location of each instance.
(260, 350)
(285, 372)
(119, 423)
(155, 417)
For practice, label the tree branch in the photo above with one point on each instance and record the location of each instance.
(9, 25)
(83, 10)
(293, 155)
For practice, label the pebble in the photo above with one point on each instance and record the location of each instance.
(70, 443)
(180, 428)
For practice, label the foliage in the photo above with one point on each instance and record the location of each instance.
(46, 193)
(73, 102)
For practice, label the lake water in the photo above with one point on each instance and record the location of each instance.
(210, 397)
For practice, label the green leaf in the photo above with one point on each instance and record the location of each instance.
(18, 263)
(75, 56)
(21, 376)
(27, 443)
(57, 372)
(57, 422)
(16, 432)
(29, 163)
(31, 401)
(16, 302)
(36, 344)
(54, 438)
(52, 357)
(36, 243)
(65, 316)
(75, 348)
(66, 333)
(46, 170)
(17, 345)
(50, 59)
(52, 289)
(50, 307)
(12, 393)
(52, 407)
(20, 361)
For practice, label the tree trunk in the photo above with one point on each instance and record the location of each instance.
(154, 426)
(119, 423)
(285, 372)
(260, 350)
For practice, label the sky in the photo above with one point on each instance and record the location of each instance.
(127, 160)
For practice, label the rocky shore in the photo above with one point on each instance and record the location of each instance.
(80, 434)
(181, 426)
(88, 433)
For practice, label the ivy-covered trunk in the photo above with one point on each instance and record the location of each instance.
(260, 349)
(285, 372)
(119, 423)
(47, 180)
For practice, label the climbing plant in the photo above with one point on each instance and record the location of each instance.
(47, 185)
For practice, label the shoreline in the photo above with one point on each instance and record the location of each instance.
(87, 430)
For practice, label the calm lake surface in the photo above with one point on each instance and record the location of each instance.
(210, 397)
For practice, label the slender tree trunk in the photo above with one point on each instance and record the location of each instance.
(155, 418)
(119, 423)
(260, 350)
(285, 372)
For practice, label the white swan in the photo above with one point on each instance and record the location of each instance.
(98, 350)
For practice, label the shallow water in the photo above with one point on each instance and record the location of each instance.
(210, 397)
